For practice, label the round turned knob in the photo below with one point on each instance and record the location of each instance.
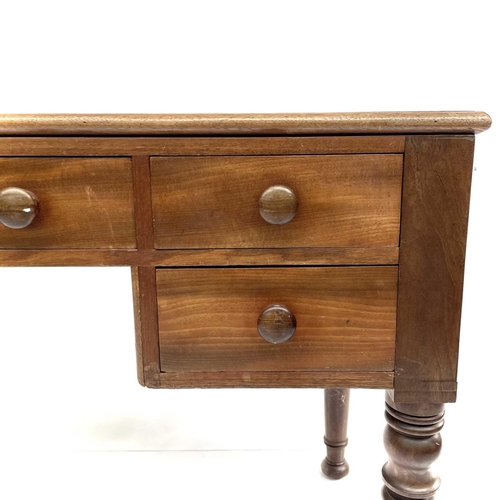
(278, 205)
(276, 324)
(18, 207)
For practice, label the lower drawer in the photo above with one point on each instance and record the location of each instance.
(345, 319)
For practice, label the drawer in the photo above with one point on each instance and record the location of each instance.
(331, 201)
(345, 319)
(83, 202)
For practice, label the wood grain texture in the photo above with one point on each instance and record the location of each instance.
(276, 324)
(278, 205)
(204, 258)
(208, 202)
(18, 207)
(142, 202)
(136, 291)
(415, 409)
(412, 443)
(144, 278)
(335, 466)
(126, 146)
(436, 191)
(247, 124)
(144, 288)
(345, 318)
(283, 379)
(83, 202)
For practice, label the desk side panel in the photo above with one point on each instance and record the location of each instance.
(435, 207)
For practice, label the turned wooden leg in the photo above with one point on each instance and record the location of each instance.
(413, 443)
(334, 465)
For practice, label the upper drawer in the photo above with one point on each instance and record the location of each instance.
(216, 202)
(83, 202)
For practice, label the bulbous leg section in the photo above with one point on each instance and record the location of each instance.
(413, 444)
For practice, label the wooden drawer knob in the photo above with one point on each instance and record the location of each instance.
(18, 207)
(278, 205)
(276, 324)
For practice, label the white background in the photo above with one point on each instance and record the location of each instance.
(74, 423)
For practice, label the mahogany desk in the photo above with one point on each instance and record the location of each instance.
(313, 250)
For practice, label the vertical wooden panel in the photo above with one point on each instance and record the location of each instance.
(436, 190)
(138, 325)
(144, 280)
(146, 316)
(142, 200)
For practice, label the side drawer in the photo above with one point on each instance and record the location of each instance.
(345, 318)
(83, 202)
(215, 202)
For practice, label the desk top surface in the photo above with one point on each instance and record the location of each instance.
(431, 122)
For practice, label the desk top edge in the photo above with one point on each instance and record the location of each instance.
(419, 122)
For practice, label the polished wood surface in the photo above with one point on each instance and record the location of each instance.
(281, 379)
(142, 202)
(213, 202)
(266, 251)
(335, 466)
(18, 207)
(189, 146)
(278, 205)
(203, 258)
(144, 277)
(345, 318)
(276, 324)
(83, 202)
(413, 444)
(146, 314)
(435, 209)
(419, 122)
(139, 330)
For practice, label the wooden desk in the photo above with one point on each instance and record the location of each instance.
(322, 250)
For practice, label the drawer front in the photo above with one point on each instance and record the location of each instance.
(345, 318)
(214, 202)
(83, 202)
